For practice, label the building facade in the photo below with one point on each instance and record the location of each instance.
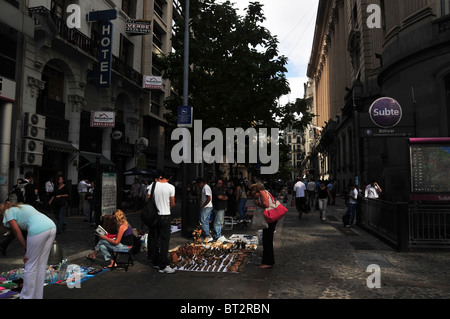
(367, 50)
(81, 93)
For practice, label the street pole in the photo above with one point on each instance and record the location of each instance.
(184, 195)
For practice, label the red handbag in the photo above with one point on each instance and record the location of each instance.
(276, 212)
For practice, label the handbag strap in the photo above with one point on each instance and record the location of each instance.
(274, 202)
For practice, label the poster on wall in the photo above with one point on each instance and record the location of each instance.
(109, 193)
(430, 169)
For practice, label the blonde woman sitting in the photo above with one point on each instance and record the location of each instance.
(123, 239)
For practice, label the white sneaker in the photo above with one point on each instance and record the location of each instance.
(222, 239)
(167, 270)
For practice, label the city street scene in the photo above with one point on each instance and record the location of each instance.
(225, 158)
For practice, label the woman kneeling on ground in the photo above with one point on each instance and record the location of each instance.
(123, 239)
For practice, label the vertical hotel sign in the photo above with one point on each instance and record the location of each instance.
(106, 35)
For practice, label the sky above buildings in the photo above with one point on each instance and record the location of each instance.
(293, 22)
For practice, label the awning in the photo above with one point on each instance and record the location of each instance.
(92, 159)
(60, 146)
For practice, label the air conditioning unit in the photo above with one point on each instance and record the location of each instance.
(32, 159)
(32, 119)
(34, 132)
(32, 146)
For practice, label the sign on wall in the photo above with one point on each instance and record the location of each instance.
(152, 82)
(103, 119)
(138, 27)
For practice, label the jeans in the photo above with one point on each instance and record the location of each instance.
(205, 213)
(218, 222)
(106, 248)
(159, 237)
(242, 209)
(60, 213)
(323, 207)
(351, 209)
(90, 213)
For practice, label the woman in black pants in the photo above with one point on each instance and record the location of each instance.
(263, 201)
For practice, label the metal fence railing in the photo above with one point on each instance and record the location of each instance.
(407, 225)
(429, 225)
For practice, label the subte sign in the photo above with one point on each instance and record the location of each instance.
(386, 112)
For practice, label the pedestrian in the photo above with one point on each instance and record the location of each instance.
(262, 201)
(59, 203)
(332, 188)
(323, 196)
(83, 187)
(373, 190)
(352, 202)
(241, 199)
(90, 205)
(220, 200)
(41, 234)
(311, 192)
(300, 199)
(49, 189)
(121, 241)
(206, 206)
(135, 193)
(164, 199)
(231, 202)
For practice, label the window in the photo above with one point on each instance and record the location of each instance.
(129, 7)
(447, 95)
(126, 50)
(445, 7)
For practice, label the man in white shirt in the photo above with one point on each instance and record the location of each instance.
(299, 193)
(206, 206)
(83, 187)
(160, 233)
(352, 202)
(372, 190)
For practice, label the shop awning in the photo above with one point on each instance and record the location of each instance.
(60, 146)
(92, 159)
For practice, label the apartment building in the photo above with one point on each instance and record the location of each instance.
(87, 87)
(367, 50)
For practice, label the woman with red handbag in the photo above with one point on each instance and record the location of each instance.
(262, 201)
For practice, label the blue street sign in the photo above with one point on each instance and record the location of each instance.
(185, 115)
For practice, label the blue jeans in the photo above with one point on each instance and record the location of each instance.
(205, 213)
(242, 209)
(351, 209)
(218, 222)
(106, 248)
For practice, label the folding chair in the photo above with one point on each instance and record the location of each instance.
(123, 264)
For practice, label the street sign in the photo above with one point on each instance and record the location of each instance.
(185, 115)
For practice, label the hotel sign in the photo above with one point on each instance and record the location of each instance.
(103, 119)
(138, 27)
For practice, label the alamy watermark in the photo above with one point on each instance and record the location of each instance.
(235, 139)
(374, 279)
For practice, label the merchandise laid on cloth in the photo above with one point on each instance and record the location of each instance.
(62, 274)
(231, 255)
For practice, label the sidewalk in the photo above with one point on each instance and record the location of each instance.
(314, 260)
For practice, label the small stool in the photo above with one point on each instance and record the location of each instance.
(227, 223)
(123, 264)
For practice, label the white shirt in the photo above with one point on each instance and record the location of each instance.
(371, 191)
(206, 191)
(49, 187)
(83, 187)
(354, 194)
(299, 189)
(163, 193)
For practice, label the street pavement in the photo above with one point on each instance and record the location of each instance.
(315, 260)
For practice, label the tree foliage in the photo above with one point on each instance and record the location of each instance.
(236, 75)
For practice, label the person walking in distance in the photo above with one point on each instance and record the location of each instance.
(59, 203)
(83, 187)
(164, 199)
(299, 193)
(373, 190)
(323, 196)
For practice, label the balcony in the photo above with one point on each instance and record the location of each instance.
(54, 25)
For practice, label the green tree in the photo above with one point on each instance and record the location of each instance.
(236, 75)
